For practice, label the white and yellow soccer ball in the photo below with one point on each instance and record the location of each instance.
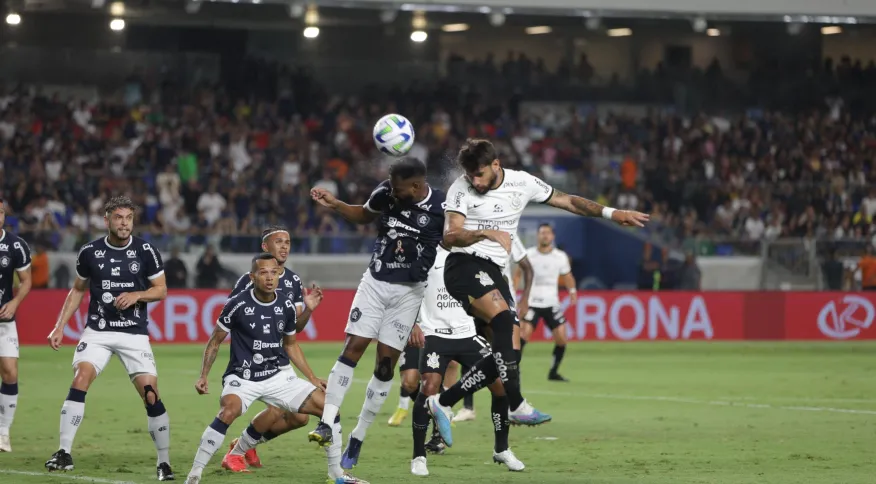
(394, 135)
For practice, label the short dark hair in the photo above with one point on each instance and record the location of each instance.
(407, 168)
(273, 228)
(261, 256)
(475, 154)
(545, 224)
(117, 202)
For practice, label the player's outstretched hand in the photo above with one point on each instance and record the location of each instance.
(313, 296)
(417, 340)
(126, 300)
(501, 238)
(55, 338)
(323, 197)
(630, 218)
(201, 386)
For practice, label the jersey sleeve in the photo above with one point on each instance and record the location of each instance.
(228, 316)
(457, 197)
(297, 295)
(241, 285)
(20, 255)
(152, 262)
(83, 269)
(289, 328)
(539, 191)
(518, 251)
(565, 268)
(380, 198)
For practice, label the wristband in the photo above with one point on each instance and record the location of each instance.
(573, 291)
(606, 212)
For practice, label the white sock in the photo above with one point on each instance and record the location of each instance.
(375, 395)
(404, 403)
(71, 417)
(7, 412)
(211, 441)
(159, 429)
(244, 443)
(333, 452)
(339, 381)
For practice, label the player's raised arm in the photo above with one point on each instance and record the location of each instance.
(210, 353)
(357, 214)
(589, 208)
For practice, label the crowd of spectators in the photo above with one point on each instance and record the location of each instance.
(211, 165)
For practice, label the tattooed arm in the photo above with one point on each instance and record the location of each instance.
(210, 353)
(589, 208)
(575, 204)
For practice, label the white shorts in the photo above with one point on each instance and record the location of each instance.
(385, 311)
(283, 390)
(8, 340)
(134, 350)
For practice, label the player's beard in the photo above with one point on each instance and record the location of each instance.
(116, 234)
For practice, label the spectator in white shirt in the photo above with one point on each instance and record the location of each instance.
(754, 227)
(211, 204)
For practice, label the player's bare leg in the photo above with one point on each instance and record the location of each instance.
(211, 440)
(8, 399)
(269, 424)
(410, 388)
(72, 413)
(158, 422)
(375, 396)
(560, 342)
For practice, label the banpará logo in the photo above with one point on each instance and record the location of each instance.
(846, 319)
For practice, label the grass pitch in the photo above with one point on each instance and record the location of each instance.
(652, 413)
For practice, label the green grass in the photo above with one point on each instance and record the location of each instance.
(645, 413)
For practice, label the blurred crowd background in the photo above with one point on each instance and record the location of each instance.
(783, 149)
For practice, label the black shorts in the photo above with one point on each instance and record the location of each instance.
(439, 352)
(469, 277)
(409, 360)
(553, 317)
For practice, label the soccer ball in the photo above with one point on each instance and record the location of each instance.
(394, 135)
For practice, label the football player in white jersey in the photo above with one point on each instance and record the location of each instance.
(483, 211)
(452, 335)
(518, 255)
(550, 265)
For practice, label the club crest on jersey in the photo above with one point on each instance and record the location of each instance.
(4, 247)
(516, 202)
(134, 267)
(278, 310)
(5, 261)
(249, 311)
(132, 254)
(355, 314)
(281, 326)
(99, 254)
(485, 278)
(423, 220)
(432, 360)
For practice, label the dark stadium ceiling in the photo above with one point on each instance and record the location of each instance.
(283, 14)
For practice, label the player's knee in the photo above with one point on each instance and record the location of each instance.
(150, 395)
(8, 374)
(84, 375)
(296, 420)
(383, 369)
(430, 386)
(227, 414)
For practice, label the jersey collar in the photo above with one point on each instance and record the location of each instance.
(111, 246)
(254, 298)
(428, 196)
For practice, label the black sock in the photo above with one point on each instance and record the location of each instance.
(269, 436)
(499, 413)
(420, 425)
(414, 394)
(483, 373)
(403, 392)
(468, 401)
(559, 352)
(506, 356)
(522, 346)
